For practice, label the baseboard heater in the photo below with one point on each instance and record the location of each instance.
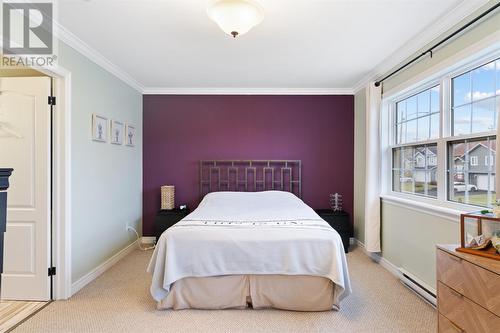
(417, 286)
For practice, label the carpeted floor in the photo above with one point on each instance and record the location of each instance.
(119, 301)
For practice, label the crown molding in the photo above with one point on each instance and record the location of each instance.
(461, 11)
(76, 43)
(246, 91)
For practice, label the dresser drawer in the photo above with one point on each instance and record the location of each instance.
(446, 326)
(464, 313)
(478, 284)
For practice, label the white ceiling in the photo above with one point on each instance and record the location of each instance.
(301, 44)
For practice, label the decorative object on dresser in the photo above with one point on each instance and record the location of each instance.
(339, 221)
(4, 185)
(468, 288)
(336, 202)
(167, 197)
(479, 234)
(100, 128)
(167, 218)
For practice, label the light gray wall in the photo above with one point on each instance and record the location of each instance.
(359, 164)
(409, 239)
(408, 236)
(106, 178)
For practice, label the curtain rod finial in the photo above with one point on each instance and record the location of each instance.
(377, 84)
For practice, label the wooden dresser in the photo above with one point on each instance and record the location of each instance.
(468, 289)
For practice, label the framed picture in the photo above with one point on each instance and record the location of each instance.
(117, 132)
(130, 135)
(100, 128)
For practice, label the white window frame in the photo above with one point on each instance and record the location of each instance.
(474, 160)
(442, 74)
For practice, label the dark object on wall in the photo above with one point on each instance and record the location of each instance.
(167, 218)
(4, 185)
(340, 222)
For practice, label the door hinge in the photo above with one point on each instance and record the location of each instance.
(52, 100)
(52, 271)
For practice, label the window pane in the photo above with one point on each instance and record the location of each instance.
(483, 115)
(461, 120)
(435, 126)
(401, 111)
(396, 181)
(474, 100)
(408, 160)
(461, 89)
(414, 115)
(483, 81)
(407, 182)
(498, 76)
(411, 107)
(411, 131)
(472, 174)
(401, 133)
(423, 128)
(435, 99)
(431, 179)
(424, 103)
(414, 170)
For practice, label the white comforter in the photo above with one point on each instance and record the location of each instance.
(231, 233)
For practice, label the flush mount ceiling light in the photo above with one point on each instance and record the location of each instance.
(235, 17)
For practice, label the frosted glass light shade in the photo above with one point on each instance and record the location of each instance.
(235, 17)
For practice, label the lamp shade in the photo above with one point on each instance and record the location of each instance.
(235, 17)
(168, 197)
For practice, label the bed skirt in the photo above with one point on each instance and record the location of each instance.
(286, 292)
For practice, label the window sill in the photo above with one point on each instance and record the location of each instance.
(434, 209)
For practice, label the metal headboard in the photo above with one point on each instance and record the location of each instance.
(250, 176)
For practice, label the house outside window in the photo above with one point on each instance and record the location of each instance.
(443, 136)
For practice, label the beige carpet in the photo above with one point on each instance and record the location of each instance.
(13, 312)
(119, 301)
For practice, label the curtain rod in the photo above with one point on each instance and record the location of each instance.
(429, 51)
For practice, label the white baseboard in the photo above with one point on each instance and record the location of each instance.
(148, 240)
(379, 259)
(96, 272)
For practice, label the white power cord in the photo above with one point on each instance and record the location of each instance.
(139, 240)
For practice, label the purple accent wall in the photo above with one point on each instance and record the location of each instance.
(180, 130)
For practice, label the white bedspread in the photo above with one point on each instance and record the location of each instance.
(231, 233)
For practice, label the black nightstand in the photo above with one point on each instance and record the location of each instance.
(167, 218)
(340, 222)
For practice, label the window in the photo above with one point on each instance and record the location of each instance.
(417, 117)
(475, 99)
(442, 137)
(414, 170)
(469, 182)
(414, 166)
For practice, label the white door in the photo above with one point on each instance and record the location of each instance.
(25, 146)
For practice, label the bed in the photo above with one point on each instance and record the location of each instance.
(260, 249)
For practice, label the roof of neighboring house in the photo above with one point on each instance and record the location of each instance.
(425, 151)
(459, 150)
